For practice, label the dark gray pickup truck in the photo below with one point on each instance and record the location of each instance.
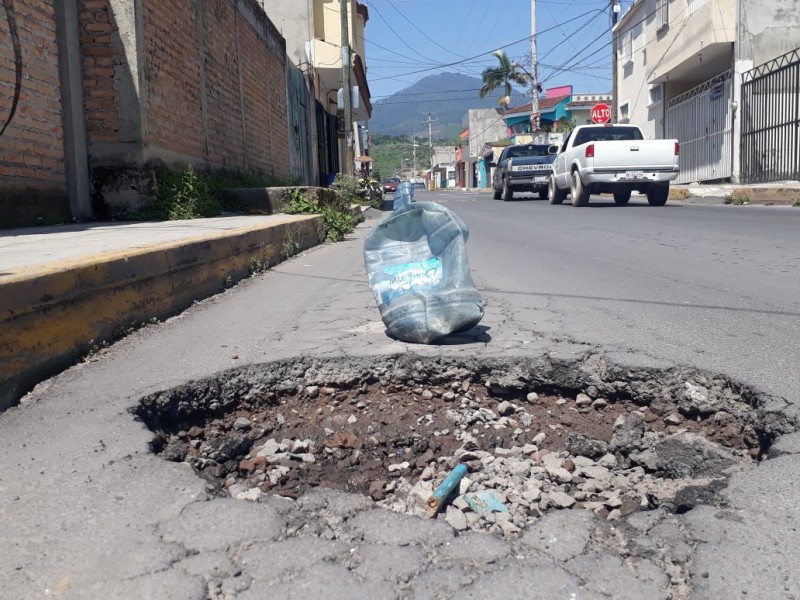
(523, 168)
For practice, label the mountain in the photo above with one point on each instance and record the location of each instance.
(446, 96)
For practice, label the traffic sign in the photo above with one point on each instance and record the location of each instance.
(601, 113)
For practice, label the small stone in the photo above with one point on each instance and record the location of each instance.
(456, 518)
(427, 395)
(673, 419)
(538, 438)
(583, 401)
(398, 467)
(463, 485)
(613, 502)
(561, 401)
(174, 451)
(505, 408)
(600, 404)
(607, 460)
(352, 419)
(620, 421)
(448, 396)
(377, 490)
(299, 446)
(560, 475)
(560, 499)
(532, 397)
(312, 391)
(195, 432)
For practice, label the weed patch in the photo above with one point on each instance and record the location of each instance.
(737, 197)
(337, 222)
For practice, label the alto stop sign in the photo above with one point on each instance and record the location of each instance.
(601, 113)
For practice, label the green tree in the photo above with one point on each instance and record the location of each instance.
(504, 74)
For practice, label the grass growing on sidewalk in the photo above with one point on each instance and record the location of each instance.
(737, 197)
(337, 221)
(189, 194)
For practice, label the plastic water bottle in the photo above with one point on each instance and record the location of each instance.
(418, 270)
(403, 197)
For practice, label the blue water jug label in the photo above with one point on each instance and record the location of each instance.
(397, 280)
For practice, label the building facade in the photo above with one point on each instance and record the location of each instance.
(681, 68)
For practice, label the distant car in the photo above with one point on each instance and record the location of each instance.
(419, 184)
(523, 168)
(389, 185)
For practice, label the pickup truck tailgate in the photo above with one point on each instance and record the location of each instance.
(634, 154)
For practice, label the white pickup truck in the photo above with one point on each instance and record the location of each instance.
(616, 159)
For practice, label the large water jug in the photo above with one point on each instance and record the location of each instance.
(418, 270)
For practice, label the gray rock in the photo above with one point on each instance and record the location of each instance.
(629, 435)
(174, 451)
(690, 455)
(505, 408)
(532, 397)
(698, 399)
(582, 401)
(581, 445)
(559, 499)
(456, 518)
(242, 424)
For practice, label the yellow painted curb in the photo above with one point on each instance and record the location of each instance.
(50, 316)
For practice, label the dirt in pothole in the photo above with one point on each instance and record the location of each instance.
(353, 440)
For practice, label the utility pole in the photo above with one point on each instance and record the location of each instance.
(614, 104)
(534, 76)
(430, 149)
(346, 89)
(414, 147)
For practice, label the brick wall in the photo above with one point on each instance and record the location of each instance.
(215, 86)
(188, 81)
(32, 170)
(101, 58)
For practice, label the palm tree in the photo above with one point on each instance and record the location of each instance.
(503, 74)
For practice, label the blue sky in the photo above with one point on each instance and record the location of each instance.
(407, 40)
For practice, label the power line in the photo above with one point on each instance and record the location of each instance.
(526, 38)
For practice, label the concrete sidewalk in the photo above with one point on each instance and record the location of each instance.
(67, 289)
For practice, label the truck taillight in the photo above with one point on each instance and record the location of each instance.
(590, 151)
(677, 148)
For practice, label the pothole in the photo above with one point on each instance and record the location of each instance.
(534, 435)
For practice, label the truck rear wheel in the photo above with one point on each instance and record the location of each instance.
(508, 193)
(555, 195)
(579, 192)
(622, 197)
(657, 194)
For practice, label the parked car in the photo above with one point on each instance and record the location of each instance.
(522, 168)
(616, 159)
(419, 184)
(389, 185)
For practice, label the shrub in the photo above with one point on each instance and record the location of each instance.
(337, 221)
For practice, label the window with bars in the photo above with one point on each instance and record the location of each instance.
(693, 5)
(662, 14)
(656, 94)
(627, 47)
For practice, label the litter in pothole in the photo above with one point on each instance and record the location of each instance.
(395, 428)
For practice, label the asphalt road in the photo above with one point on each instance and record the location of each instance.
(713, 286)
(86, 511)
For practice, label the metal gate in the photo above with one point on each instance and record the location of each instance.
(300, 166)
(701, 120)
(771, 120)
